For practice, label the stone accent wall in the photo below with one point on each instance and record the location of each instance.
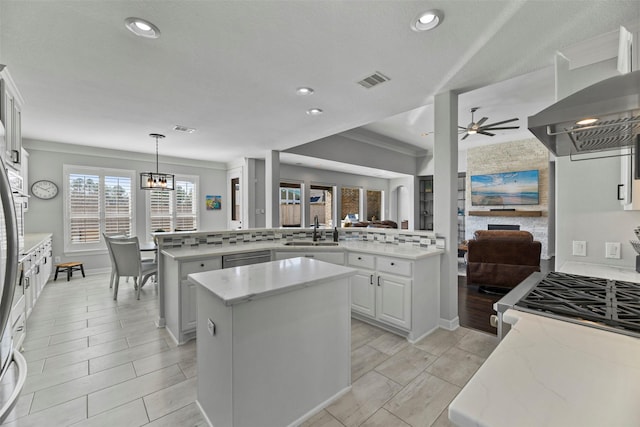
(374, 201)
(528, 154)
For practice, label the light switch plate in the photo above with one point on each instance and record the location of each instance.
(579, 248)
(612, 250)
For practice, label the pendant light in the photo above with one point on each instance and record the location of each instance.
(156, 180)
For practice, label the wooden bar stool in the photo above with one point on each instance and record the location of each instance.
(69, 267)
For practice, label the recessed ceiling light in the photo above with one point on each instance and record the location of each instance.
(424, 134)
(304, 91)
(314, 111)
(586, 121)
(427, 20)
(141, 27)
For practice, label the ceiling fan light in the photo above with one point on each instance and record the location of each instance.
(472, 131)
(427, 20)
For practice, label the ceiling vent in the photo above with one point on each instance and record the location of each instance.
(373, 80)
(180, 128)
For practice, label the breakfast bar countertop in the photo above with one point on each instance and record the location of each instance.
(548, 372)
(241, 284)
(400, 251)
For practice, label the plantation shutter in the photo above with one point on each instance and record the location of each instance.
(97, 201)
(186, 205)
(160, 210)
(84, 208)
(118, 209)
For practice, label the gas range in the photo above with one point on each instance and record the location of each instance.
(612, 305)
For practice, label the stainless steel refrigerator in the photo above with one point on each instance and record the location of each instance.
(12, 363)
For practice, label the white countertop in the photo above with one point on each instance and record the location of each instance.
(602, 271)
(241, 284)
(548, 372)
(31, 240)
(399, 251)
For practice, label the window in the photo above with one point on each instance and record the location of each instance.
(98, 201)
(350, 204)
(290, 206)
(321, 204)
(374, 205)
(174, 210)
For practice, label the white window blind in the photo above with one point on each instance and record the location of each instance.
(174, 210)
(98, 201)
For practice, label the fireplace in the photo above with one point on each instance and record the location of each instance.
(502, 227)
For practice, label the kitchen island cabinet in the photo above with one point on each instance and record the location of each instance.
(180, 314)
(273, 341)
(398, 293)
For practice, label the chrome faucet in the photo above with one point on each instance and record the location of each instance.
(316, 224)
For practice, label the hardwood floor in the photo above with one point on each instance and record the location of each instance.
(475, 308)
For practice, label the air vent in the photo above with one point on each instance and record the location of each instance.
(373, 80)
(180, 128)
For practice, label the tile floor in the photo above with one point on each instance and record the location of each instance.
(93, 361)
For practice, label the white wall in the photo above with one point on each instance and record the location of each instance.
(586, 191)
(47, 158)
(346, 150)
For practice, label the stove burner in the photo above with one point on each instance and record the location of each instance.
(608, 303)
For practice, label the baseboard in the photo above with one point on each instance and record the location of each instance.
(415, 340)
(320, 407)
(449, 325)
(204, 415)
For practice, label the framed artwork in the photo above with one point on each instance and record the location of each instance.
(213, 202)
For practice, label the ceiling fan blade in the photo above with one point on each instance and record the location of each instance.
(462, 127)
(482, 120)
(502, 122)
(465, 137)
(499, 128)
(486, 133)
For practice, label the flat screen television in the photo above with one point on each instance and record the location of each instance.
(505, 189)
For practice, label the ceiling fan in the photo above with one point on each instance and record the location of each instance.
(478, 127)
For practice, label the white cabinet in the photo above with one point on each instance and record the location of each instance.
(378, 292)
(629, 189)
(11, 116)
(180, 294)
(331, 257)
(37, 266)
(363, 293)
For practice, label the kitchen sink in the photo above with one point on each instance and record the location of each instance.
(305, 243)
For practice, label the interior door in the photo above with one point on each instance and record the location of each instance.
(235, 199)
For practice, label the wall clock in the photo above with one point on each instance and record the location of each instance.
(44, 189)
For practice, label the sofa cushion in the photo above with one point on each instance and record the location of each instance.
(503, 234)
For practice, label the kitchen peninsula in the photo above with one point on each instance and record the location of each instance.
(272, 335)
(397, 286)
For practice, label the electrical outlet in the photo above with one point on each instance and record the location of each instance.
(579, 248)
(57, 259)
(612, 250)
(190, 241)
(211, 327)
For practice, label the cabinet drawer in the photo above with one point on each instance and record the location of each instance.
(362, 260)
(394, 266)
(201, 265)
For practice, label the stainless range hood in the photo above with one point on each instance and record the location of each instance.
(614, 102)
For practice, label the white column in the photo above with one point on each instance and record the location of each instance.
(272, 189)
(445, 189)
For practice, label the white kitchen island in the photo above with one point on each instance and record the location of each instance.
(273, 341)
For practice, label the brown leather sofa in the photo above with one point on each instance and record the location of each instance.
(498, 260)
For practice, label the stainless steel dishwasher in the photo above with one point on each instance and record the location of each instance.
(246, 258)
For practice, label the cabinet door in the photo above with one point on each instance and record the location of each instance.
(16, 137)
(189, 306)
(6, 115)
(393, 300)
(29, 291)
(363, 293)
